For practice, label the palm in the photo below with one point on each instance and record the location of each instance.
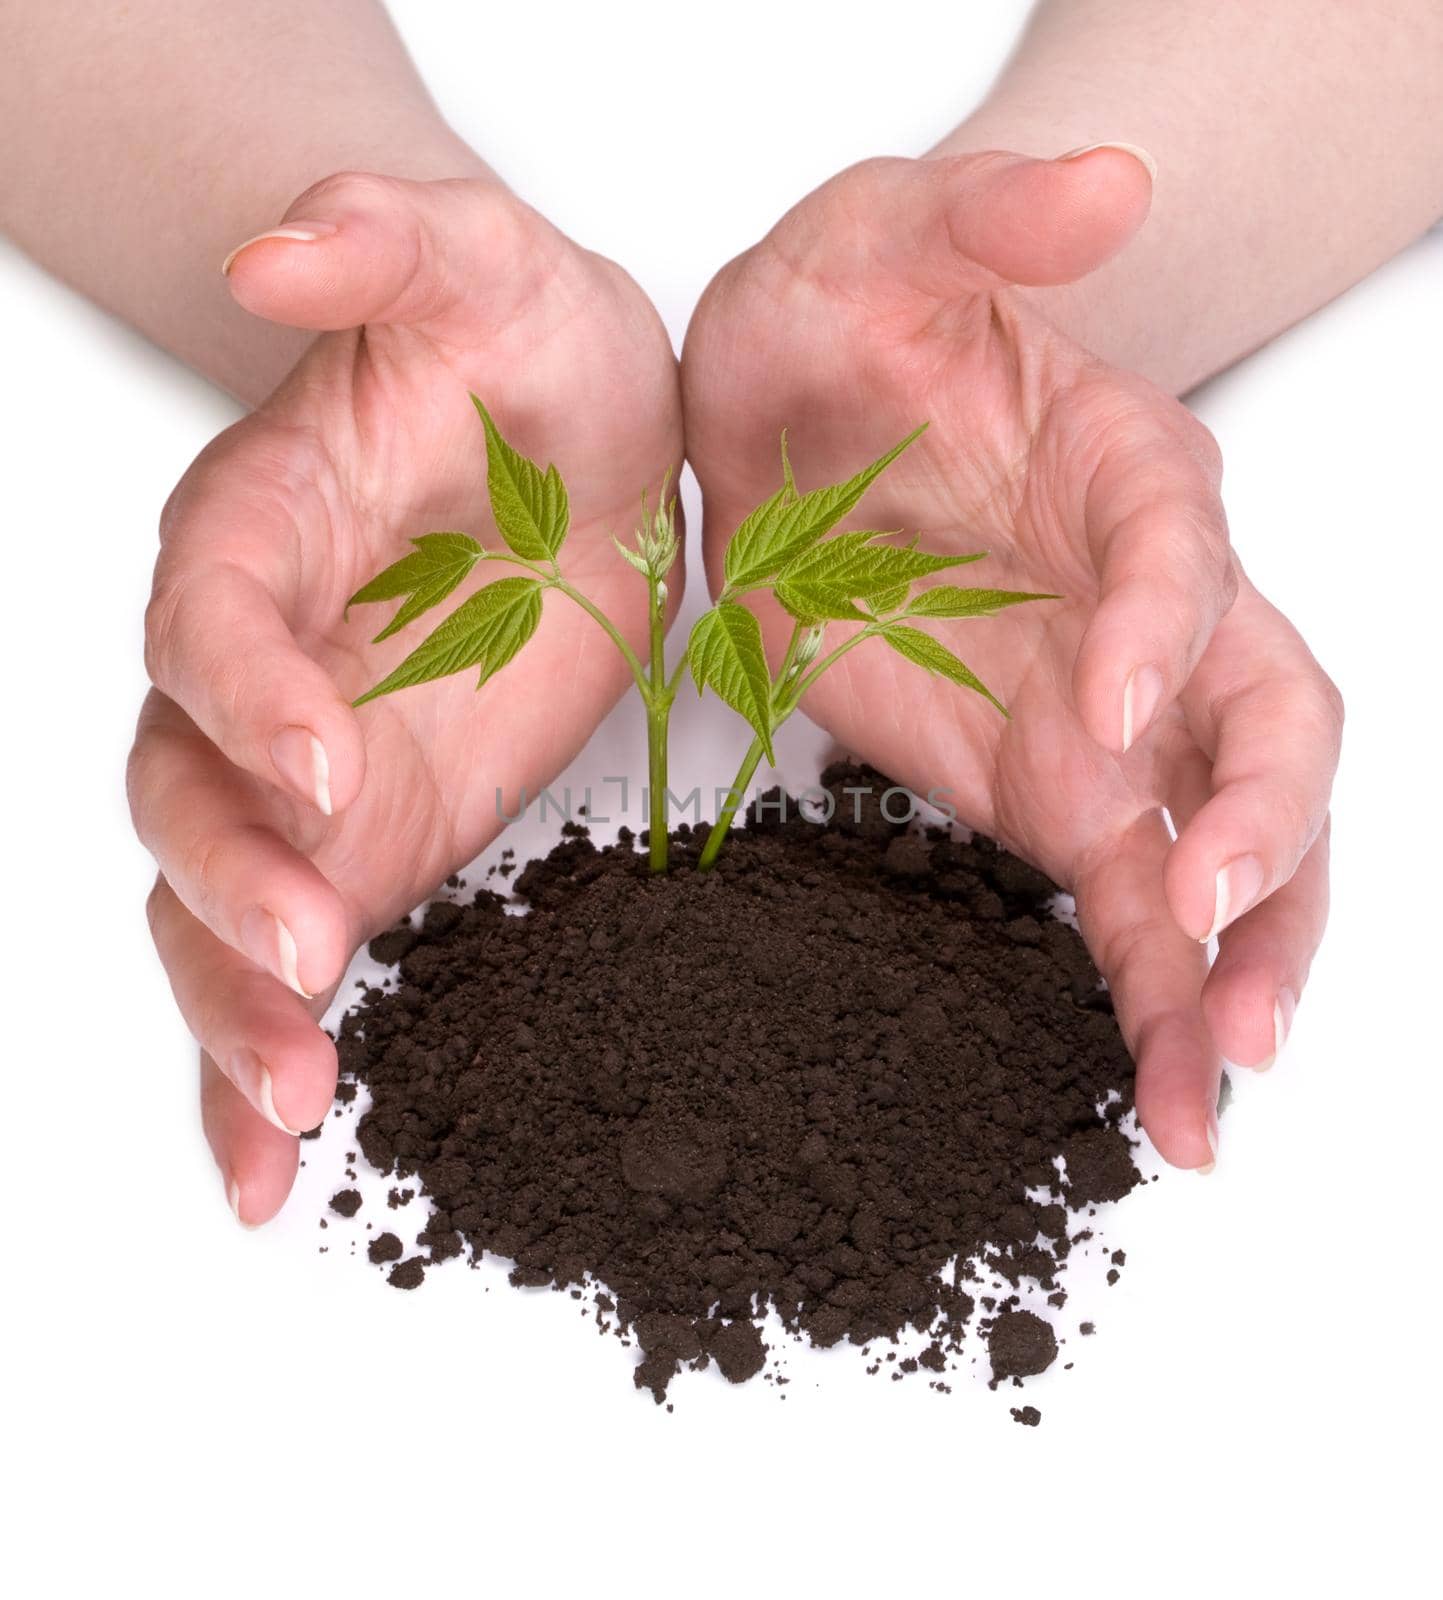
(373, 441)
(1018, 417)
(288, 827)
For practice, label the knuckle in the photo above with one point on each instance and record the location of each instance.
(162, 626)
(204, 870)
(138, 777)
(1334, 706)
(1203, 446)
(348, 190)
(155, 905)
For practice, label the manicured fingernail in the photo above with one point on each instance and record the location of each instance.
(270, 944)
(1283, 1008)
(1238, 885)
(301, 232)
(1136, 151)
(252, 1077)
(232, 1195)
(1141, 696)
(301, 760)
(1208, 1166)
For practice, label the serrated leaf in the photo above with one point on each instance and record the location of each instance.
(948, 601)
(885, 600)
(752, 534)
(925, 651)
(440, 562)
(725, 654)
(826, 578)
(530, 506)
(781, 529)
(485, 631)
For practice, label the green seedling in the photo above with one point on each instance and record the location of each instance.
(787, 547)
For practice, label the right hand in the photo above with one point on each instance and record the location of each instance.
(288, 827)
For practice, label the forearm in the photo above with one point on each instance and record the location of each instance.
(143, 142)
(1299, 145)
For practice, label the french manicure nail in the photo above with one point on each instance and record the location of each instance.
(302, 232)
(301, 759)
(232, 1195)
(252, 1077)
(270, 944)
(1141, 696)
(1238, 885)
(1136, 151)
(1283, 1008)
(1208, 1166)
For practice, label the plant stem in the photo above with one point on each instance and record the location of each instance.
(637, 670)
(658, 716)
(720, 828)
(785, 701)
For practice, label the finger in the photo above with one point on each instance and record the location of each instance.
(257, 1163)
(1274, 722)
(204, 824)
(217, 642)
(1159, 539)
(258, 1033)
(953, 224)
(1262, 966)
(358, 248)
(1155, 975)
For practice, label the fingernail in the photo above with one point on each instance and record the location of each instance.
(302, 232)
(301, 760)
(1136, 151)
(1238, 885)
(1141, 696)
(1208, 1166)
(232, 1195)
(252, 1077)
(1283, 1008)
(270, 944)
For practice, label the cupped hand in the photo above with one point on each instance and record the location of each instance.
(1163, 681)
(287, 826)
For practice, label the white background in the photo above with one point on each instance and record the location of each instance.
(197, 1409)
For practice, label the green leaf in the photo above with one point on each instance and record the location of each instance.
(884, 600)
(441, 561)
(826, 578)
(636, 559)
(789, 483)
(529, 505)
(923, 649)
(753, 533)
(726, 654)
(780, 529)
(947, 601)
(484, 631)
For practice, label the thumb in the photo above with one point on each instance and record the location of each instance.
(1023, 221)
(357, 248)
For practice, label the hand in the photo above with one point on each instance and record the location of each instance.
(1162, 679)
(287, 826)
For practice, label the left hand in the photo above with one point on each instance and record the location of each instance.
(1162, 679)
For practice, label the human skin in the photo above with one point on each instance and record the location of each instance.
(135, 166)
(1022, 306)
(288, 827)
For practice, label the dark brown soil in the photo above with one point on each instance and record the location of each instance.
(822, 1079)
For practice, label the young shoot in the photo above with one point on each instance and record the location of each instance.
(786, 547)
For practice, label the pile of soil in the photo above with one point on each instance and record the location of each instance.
(820, 1079)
